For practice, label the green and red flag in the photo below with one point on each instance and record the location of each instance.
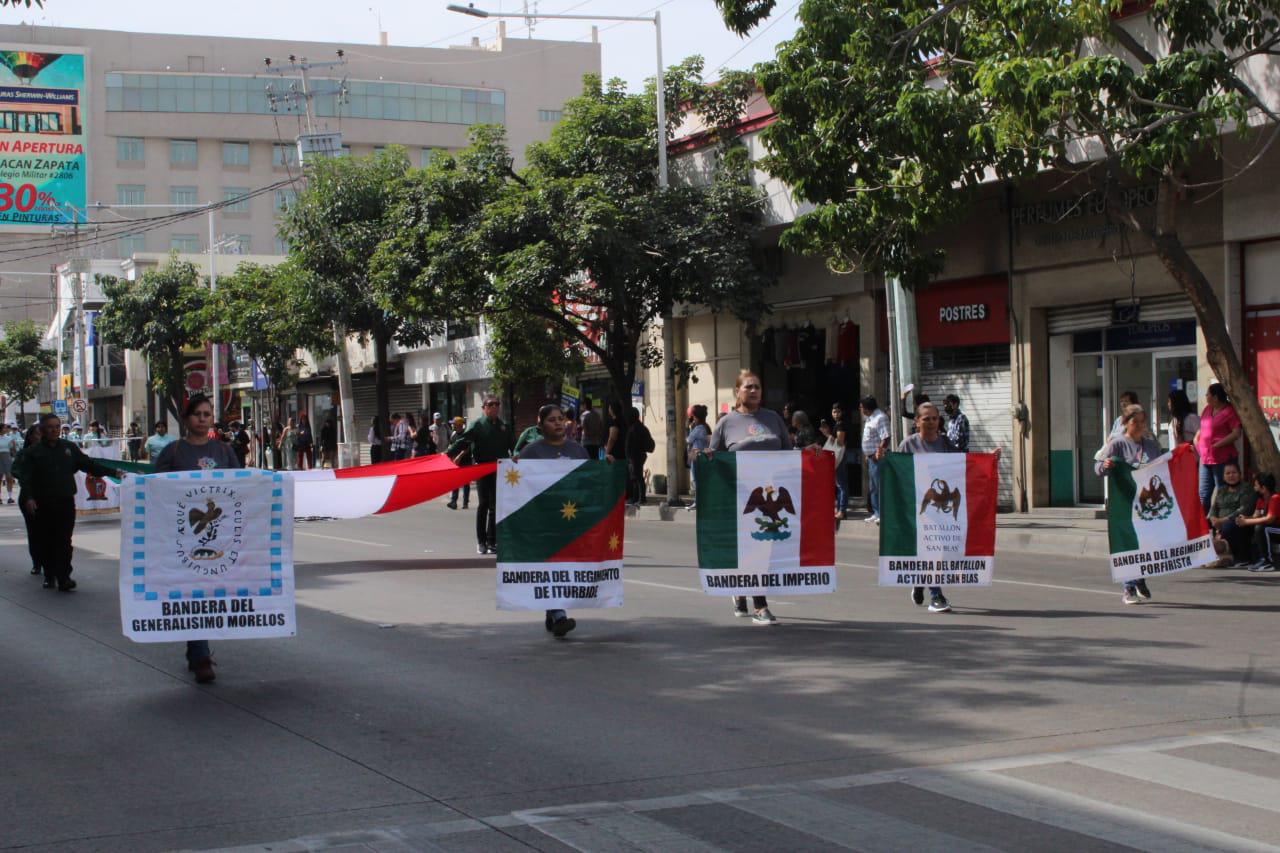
(560, 528)
(766, 522)
(1155, 523)
(937, 519)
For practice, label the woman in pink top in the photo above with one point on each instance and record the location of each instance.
(1215, 441)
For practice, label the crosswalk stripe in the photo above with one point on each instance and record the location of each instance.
(853, 827)
(1264, 739)
(978, 789)
(620, 831)
(1148, 826)
(1196, 777)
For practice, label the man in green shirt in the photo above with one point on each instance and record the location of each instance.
(47, 472)
(488, 439)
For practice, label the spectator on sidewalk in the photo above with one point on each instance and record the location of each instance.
(1215, 441)
(875, 443)
(304, 444)
(1183, 423)
(1232, 499)
(1264, 524)
(134, 438)
(840, 432)
(592, 429)
(639, 444)
(464, 458)
(957, 423)
(696, 440)
(329, 443)
(159, 440)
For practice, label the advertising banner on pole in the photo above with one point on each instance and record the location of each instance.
(43, 143)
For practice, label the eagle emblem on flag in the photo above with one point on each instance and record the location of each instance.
(942, 498)
(770, 520)
(1154, 502)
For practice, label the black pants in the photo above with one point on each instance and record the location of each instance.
(593, 451)
(32, 547)
(759, 602)
(53, 524)
(635, 478)
(486, 507)
(375, 454)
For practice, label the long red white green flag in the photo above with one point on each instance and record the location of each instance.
(937, 519)
(560, 528)
(1154, 520)
(766, 523)
(375, 489)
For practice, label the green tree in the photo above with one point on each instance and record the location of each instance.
(523, 350)
(269, 312)
(583, 241)
(24, 362)
(159, 315)
(28, 3)
(891, 115)
(334, 228)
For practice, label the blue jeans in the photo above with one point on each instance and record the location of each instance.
(1210, 479)
(842, 486)
(197, 650)
(873, 485)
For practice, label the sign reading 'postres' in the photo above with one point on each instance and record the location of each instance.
(207, 555)
(1154, 520)
(937, 519)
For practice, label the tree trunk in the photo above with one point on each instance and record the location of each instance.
(177, 381)
(349, 455)
(381, 340)
(1219, 349)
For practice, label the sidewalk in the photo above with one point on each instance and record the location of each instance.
(1064, 533)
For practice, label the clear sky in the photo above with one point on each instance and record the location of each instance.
(688, 26)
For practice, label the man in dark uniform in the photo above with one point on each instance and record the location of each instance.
(489, 440)
(47, 474)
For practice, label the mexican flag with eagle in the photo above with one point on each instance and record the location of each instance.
(766, 522)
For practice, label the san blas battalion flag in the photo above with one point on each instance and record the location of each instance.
(937, 519)
(766, 522)
(1155, 523)
(560, 528)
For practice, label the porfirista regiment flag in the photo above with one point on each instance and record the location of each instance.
(1155, 523)
(937, 519)
(560, 528)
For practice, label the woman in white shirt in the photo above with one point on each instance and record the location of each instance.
(1183, 423)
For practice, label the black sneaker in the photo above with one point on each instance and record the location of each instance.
(49, 583)
(939, 604)
(35, 570)
(740, 607)
(452, 505)
(1141, 588)
(563, 626)
(1262, 567)
(66, 585)
(917, 596)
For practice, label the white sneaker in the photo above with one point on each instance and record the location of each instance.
(872, 519)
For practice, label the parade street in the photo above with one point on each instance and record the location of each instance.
(410, 714)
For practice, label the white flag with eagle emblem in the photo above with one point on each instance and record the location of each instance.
(1154, 520)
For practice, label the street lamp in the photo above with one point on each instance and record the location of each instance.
(668, 332)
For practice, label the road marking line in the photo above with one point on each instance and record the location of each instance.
(1002, 580)
(853, 827)
(1114, 823)
(662, 585)
(341, 539)
(1199, 778)
(619, 830)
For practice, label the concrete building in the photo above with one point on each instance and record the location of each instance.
(180, 121)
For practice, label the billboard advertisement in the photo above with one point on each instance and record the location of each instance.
(42, 136)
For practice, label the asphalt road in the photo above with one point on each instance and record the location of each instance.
(409, 714)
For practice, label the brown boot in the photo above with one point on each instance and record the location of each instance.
(203, 669)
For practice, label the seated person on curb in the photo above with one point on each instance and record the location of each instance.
(1235, 497)
(1266, 515)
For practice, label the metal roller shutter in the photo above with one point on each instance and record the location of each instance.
(401, 398)
(985, 396)
(1097, 315)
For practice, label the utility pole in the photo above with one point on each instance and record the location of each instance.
(315, 144)
(213, 345)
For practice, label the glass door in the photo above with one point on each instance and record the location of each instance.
(1090, 426)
